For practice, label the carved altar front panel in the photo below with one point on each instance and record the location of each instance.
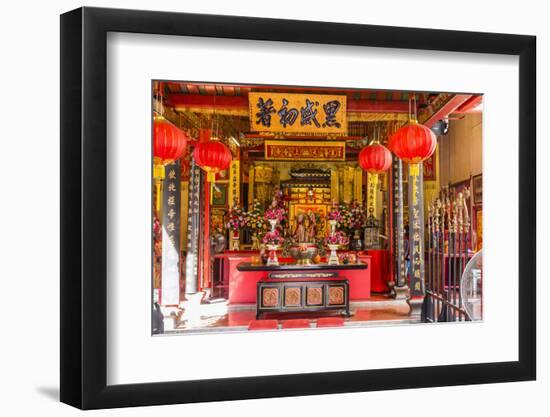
(270, 297)
(314, 296)
(293, 296)
(302, 295)
(336, 295)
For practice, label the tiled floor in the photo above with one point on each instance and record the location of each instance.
(376, 310)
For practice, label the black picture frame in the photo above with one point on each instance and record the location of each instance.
(84, 207)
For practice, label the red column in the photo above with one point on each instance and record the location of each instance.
(205, 240)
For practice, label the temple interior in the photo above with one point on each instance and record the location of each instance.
(278, 207)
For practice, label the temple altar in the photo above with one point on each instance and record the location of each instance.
(242, 277)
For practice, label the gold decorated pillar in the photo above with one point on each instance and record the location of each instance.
(334, 186)
(263, 177)
(347, 177)
(251, 186)
(372, 185)
(358, 185)
(158, 176)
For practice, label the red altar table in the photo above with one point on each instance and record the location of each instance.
(243, 284)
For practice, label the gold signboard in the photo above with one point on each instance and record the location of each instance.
(312, 114)
(286, 150)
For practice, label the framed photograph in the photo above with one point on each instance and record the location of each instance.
(219, 194)
(477, 186)
(169, 165)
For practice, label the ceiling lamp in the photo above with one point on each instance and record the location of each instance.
(211, 155)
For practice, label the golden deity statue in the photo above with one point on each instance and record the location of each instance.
(305, 230)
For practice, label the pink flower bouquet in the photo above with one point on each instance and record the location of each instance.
(338, 238)
(274, 213)
(273, 238)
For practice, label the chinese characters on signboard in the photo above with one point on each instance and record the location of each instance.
(171, 206)
(297, 113)
(305, 150)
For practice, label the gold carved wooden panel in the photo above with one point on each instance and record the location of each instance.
(314, 296)
(270, 297)
(336, 295)
(293, 296)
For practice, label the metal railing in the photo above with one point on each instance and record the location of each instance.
(447, 253)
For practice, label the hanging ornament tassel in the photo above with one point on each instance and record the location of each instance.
(414, 172)
(211, 177)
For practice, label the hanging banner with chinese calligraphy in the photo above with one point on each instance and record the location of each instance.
(287, 150)
(171, 206)
(234, 183)
(311, 114)
(193, 229)
(399, 250)
(416, 227)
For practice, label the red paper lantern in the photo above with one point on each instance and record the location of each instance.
(212, 156)
(169, 142)
(413, 143)
(375, 158)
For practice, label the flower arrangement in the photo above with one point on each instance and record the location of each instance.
(273, 238)
(275, 213)
(277, 208)
(353, 217)
(337, 238)
(237, 218)
(334, 213)
(254, 219)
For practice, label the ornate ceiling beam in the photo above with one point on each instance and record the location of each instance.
(443, 108)
(470, 105)
(238, 105)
